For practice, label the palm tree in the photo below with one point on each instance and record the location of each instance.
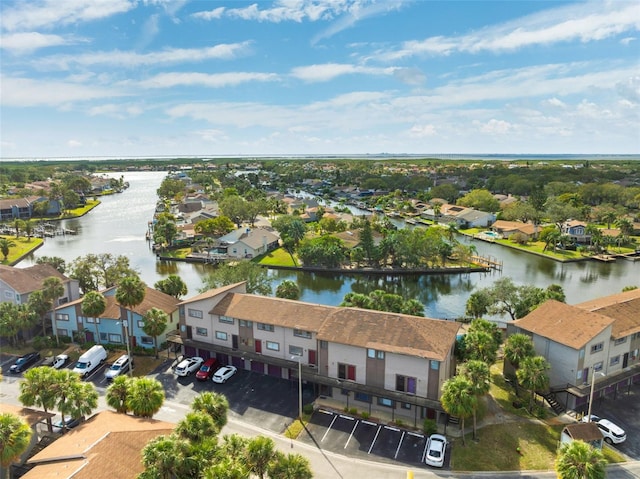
(5, 246)
(458, 399)
(15, 437)
(52, 289)
(517, 347)
(75, 397)
(579, 460)
(129, 294)
(146, 396)
(227, 468)
(477, 372)
(154, 323)
(196, 426)
(167, 457)
(39, 387)
(289, 466)
(117, 394)
(214, 404)
(288, 290)
(261, 451)
(532, 374)
(93, 305)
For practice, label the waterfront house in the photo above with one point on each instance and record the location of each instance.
(116, 323)
(17, 284)
(596, 339)
(246, 243)
(507, 228)
(576, 231)
(376, 361)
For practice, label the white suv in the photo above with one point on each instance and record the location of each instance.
(611, 432)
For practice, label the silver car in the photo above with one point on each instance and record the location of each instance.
(121, 366)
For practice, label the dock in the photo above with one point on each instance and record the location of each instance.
(487, 262)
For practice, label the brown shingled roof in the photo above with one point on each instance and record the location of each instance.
(584, 431)
(564, 324)
(213, 292)
(27, 280)
(107, 446)
(624, 308)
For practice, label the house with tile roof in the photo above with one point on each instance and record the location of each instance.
(372, 360)
(107, 445)
(597, 336)
(16, 284)
(246, 243)
(116, 323)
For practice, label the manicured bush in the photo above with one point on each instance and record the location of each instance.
(307, 409)
(429, 427)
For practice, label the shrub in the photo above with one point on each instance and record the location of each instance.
(399, 422)
(365, 415)
(429, 427)
(43, 342)
(353, 411)
(307, 409)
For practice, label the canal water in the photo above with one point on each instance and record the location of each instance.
(119, 224)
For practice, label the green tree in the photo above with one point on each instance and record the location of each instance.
(15, 437)
(289, 466)
(52, 289)
(39, 387)
(260, 452)
(54, 261)
(129, 294)
(532, 374)
(478, 304)
(93, 305)
(154, 323)
(579, 460)
(5, 247)
(256, 276)
(146, 396)
(18, 225)
(517, 347)
(478, 374)
(481, 200)
(288, 290)
(458, 399)
(172, 285)
(196, 426)
(214, 404)
(118, 394)
(97, 271)
(168, 457)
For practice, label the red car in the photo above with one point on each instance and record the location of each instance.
(207, 369)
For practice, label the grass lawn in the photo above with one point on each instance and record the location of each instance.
(23, 247)
(278, 257)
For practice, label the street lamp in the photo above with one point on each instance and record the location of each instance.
(125, 325)
(299, 359)
(593, 382)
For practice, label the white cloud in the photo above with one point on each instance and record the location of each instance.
(219, 80)
(27, 42)
(495, 127)
(74, 144)
(555, 102)
(214, 14)
(119, 111)
(420, 131)
(131, 59)
(51, 13)
(329, 71)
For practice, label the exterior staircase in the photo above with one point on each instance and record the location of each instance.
(550, 397)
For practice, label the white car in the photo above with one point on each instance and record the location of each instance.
(224, 373)
(189, 365)
(611, 432)
(56, 362)
(436, 448)
(119, 367)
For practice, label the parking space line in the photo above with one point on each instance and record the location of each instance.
(323, 411)
(415, 434)
(424, 452)
(392, 428)
(399, 444)
(351, 435)
(329, 428)
(347, 417)
(369, 423)
(374, 439)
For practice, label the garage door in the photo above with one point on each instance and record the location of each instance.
(189, 351)
(222, 358)
(257, 367)
(237, 362)
(275, 371)
(204, 354)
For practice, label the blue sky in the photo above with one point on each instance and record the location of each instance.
(307, 77)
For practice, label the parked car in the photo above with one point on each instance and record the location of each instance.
(56, 362)
(436, 449)
(207, 369)
(121, 366)
(189, 365)
(611, 432)
(23, 362)
(223, 374)
(70, 422)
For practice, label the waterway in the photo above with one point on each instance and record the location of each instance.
(119, 224)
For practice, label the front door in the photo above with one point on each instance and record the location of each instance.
(234, 341)
(625, 360)
(258, 344)
(312, 357)
(585, 375)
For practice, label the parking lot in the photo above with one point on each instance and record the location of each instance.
(623, 410)
(366, 439)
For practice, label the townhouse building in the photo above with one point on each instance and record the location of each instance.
(374, 361)
(17, 284)
(598, 340)
(116, 324)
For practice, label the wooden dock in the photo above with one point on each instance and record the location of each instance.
(487, 262)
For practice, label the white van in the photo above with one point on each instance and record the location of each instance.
(90, 360)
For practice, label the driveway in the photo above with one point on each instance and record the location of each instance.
(623, 410)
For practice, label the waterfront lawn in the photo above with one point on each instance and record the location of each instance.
(23, 247)
(81, 211)
(278, 257)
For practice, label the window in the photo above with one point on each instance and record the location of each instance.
(9, 295)
(324, 345)
(362, 397)
(302, 334)
(374, 354)
(344, 392)
(614, 360)
(265, 327)
(62, 317)
(92, 320)
(597, 366)
(225, 319)
(195, 313)
(202, 332)
(385, 402)
(141, 324)
(221, 335)
(273, 346)
(246, 324)
(406, 405)
(115, 338)
(406, 384)
(295, 350)
(620, 341)
(63, 332)
(597, 347)
(347, 371)
(146, 340)
(435, 365)
(103, 337)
